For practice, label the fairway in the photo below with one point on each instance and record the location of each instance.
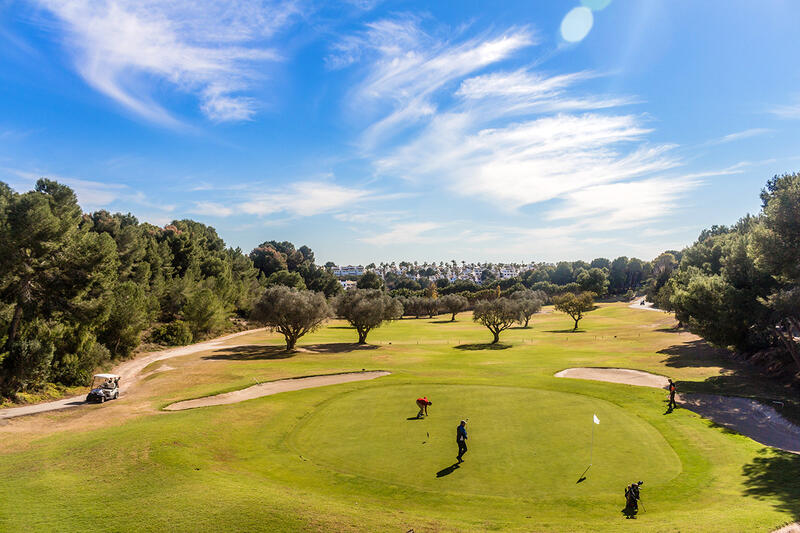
(346, 457)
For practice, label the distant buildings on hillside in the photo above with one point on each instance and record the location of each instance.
(452, 271)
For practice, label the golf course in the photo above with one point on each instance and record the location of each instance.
(354, 457)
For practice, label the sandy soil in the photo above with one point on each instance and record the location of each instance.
(751, 418)
(275, 387)
(789, 528)
(130, 371)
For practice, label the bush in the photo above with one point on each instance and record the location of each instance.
(176, 333)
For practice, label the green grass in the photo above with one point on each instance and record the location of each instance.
(345, 457)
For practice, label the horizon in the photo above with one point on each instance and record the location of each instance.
(391, 130)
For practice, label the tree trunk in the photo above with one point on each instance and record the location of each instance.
(13, 328)
(362, 336)
(290, 343)
(496, 337)
(453, 318)
(576, 324)
(527, 319)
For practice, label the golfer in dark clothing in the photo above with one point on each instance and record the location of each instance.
(672, 390)
(461, 439)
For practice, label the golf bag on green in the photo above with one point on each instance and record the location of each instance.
(632, 497)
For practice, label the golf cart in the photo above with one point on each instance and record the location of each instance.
(104, 387)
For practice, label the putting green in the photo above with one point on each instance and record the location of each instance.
(522, 442)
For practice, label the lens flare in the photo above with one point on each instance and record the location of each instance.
(576, 24)
(595, 5)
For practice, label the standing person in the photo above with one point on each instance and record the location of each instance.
(461, 440)
(423, 404)
(632, 499)
(672, 389)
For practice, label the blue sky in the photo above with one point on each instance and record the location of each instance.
(492, 131)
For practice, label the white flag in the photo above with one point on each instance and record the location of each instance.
(596, 420)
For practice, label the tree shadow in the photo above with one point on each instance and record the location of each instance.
(565, 331)
(521, 327)
(251, 352)
(672, 329)
(774, 476)
(448, 321)
(696, 353)
(448, 470)
(341, 327)
(338, 347)
(482, 346)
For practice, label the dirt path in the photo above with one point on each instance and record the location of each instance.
(751, 418)
(130, 371)
(274, 387)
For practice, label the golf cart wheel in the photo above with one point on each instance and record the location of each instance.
(116, 395)
(102, 399)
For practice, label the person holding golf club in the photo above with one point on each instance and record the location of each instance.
(461, 440)
(423, 404)
(672, 389)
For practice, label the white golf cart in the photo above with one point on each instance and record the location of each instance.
(104, 387)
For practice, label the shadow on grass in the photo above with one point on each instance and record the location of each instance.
(774, 476)
(338, 347)
(447, 471)
(340, 327)
(414, 418)
(697, 353)
(565, 331)
(448, 321)
(673, 329)
(259, 352)
(251, 352)
(482, 346)
(521, 327)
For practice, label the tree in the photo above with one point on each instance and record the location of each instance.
(122, 331)
(594, 280)
(287, 279)
(618, 275)
(528, 303)
(367, 309)
(574, 305)
(369, 280)
(453, 304)
(204, 312)
(291, 312)
(497, 315)
(562, 274)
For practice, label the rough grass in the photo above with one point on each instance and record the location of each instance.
(346, 457)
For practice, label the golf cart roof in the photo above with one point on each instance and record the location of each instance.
(106, 376)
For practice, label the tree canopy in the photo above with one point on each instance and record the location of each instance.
(497, 315)
(291, 312)
(367, 309)
(574, 305)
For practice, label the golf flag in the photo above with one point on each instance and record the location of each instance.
(596, 420)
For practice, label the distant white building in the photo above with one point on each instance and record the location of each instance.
(348, 284)
(348, 270)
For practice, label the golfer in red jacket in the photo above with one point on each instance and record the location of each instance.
(423, 404)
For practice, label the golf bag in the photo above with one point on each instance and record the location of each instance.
(632, 496)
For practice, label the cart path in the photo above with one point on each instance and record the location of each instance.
(274, 387)
(130, 371)
(751, 418)
(648, 306)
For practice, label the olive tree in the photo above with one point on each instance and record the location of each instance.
(497, 315)
(528, 303)
(453, 304)
(367, 309)
(575, 305)
(291, 312)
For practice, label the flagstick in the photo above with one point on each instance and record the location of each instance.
(591, 448)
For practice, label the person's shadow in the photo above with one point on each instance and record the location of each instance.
(629, 512)
(447, 471)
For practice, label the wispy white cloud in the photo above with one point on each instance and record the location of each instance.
(403, 234)
(212, 208)
(306, 198)
(209, 49)
(788, 111)
(739, 135)
(509, 137)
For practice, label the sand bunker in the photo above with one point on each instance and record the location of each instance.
(275, 387)
(751, 418)
(616, 375)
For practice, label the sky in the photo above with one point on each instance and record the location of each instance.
(387, 131)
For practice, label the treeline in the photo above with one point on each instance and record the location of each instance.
(79, 290)
(621, 277)
(739, 286)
